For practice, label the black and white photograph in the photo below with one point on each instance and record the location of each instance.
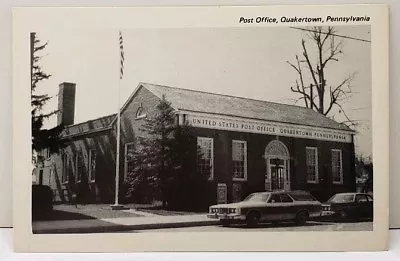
(262, 127)
(230, 129)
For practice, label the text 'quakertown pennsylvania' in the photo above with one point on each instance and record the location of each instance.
(302, 19)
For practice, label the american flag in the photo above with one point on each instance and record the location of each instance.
(121, 48)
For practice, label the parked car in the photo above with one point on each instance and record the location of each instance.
(345, 206)
(296, 206)
(42, 201)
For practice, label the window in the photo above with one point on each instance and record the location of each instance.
(79, 166)
(205, 157)
(41, 177)
(92, 165)
(65, 168)
(312, 164)
(285, 198)
(361, 198)
(275, 198)
(48, 154)
(129, 150)
(239, 160)
(342, 198)
(257, 197)
(337, 170)
(301, 196)
(140, 112)
(51, 176)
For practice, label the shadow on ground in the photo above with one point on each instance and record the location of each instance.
(292, 224)
(277, 225)
(167, 212)
(59, 215)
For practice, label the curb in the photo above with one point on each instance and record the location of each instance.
(120, 228)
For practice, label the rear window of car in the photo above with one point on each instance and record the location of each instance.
(302, 196)
(361, 198)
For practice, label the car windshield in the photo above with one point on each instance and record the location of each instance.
(257, 197)
(342, 198)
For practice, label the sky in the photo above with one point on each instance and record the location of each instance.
(246, 62)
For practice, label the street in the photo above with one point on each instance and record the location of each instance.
(310, 226)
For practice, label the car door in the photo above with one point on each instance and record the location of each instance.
(362, 205)
(272, 210)
(288, 209)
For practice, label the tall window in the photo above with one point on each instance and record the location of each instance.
(79, 166)
(129, 166)
(51, 174)
(47, 154)
(66, 168)
(312, 164)
(92, 165)
(205, 157)
(337, 167)
(41, 177)
(239, 160)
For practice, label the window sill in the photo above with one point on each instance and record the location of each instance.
(312, 182)
(65, 183)
(337, 183)
(92, 181)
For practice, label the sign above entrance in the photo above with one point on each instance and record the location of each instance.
(268, 128)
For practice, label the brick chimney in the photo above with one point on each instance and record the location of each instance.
(66, 103)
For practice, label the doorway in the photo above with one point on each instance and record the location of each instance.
(277, 167)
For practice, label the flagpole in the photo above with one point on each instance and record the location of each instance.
(118, 147)
(116, 205)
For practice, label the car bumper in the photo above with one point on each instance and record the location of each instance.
(226, 216)
(327, 213)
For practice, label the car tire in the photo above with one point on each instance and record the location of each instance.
(252, 219)
(301, 218)
(343, 215)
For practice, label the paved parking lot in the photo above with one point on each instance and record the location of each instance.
(310, 226)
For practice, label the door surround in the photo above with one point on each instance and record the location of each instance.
(277, 150)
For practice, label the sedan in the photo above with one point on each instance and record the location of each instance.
(344, 206)
(296, 206)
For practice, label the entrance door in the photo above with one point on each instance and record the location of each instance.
(277, 167)
(278, 174)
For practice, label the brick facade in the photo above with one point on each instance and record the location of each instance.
(99, 137)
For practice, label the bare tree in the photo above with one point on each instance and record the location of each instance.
(312, 85)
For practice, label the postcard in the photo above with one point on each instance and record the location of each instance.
(252, 128)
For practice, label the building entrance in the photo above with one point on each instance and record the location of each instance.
(277, 167)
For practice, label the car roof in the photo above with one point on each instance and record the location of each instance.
(262, 192)
(280, 192)
(348, 193)
(298, 192)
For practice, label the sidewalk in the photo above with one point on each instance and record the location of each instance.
(120, 224)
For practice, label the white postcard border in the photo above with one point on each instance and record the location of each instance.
(41, 19)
